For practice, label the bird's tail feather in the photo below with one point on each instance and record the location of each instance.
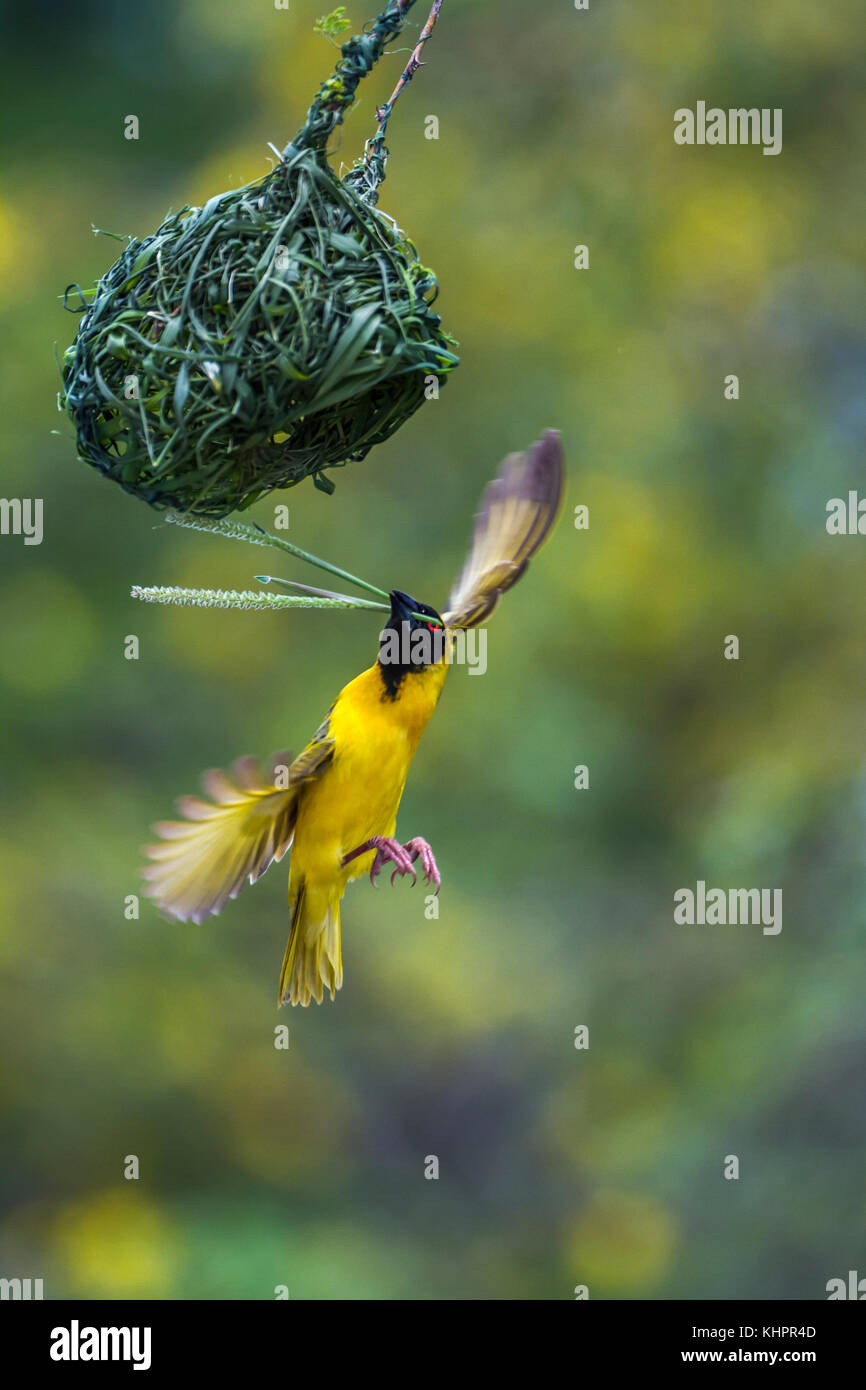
(314, 959)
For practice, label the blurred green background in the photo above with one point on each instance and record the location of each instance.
(454, 1037)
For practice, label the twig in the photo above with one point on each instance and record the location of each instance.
(414, 63)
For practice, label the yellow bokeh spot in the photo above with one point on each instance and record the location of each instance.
(723, 236)
(15, 249)
(621, 1243)
(118, 1245)
(644, 541)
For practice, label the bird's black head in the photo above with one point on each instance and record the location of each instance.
(409, 643)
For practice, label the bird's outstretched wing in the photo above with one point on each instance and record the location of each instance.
(517, 510)
(246, 824)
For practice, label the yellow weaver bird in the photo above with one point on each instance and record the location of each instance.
(335, 805)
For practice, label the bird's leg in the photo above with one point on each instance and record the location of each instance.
(387, 851)
(419, 848)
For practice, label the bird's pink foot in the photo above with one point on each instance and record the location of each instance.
(419, 849)
(387, 852)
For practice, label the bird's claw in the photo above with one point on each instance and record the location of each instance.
(419, 848)
(401, 871)
(390, 851)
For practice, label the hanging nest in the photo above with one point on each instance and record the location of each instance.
(282, 329)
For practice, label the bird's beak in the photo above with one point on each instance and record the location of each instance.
(402, 606)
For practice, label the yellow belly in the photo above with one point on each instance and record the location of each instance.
(359, 793)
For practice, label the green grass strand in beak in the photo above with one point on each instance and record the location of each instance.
(329, 593)
(257, 535)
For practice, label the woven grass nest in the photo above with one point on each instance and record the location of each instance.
(283, 329)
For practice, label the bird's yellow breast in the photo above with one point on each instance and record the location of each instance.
(357, 796)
